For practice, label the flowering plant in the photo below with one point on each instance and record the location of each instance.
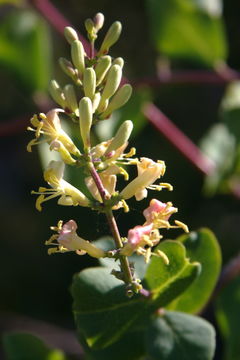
(138, 302)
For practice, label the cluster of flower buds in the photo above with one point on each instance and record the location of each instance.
(94, 93)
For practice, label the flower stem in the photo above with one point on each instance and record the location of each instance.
(125, 266)
(128, 278)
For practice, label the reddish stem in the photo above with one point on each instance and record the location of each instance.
(15, 126)
(178, 138)
(189, 77)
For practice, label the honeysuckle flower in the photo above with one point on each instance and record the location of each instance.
(69, 195)
(158, 214)
(65, 154)
(148, 172)
(50, 126)
(68, 240)
(141, 239)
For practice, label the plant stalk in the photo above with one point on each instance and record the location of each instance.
(125, 266)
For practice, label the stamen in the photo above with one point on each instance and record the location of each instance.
(124, 173)
(125, 206)
(132, 152)
(163, 256)
(182, 225)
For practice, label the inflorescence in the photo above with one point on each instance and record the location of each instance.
(94, 94)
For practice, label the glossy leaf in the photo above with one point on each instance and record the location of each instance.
(180, 336)
(184, 30)
(228, 315)
(166, 282)
(21, 346)
(200, 246)
(25, 49)
(102, 311)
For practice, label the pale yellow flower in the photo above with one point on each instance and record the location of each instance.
(68, 240)
(50, 126)
(148, 172)
(69, 195)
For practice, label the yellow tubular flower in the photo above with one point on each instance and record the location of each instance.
(50, 126)
(68, 240)
(148, 172)
(69, 195)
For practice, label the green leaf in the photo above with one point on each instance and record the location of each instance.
(228, 315)
(11, 2)
(219, 145)
(21, 346)
(25, 49)
(102, 311)
(201, 246)
(129, 347)
(183, 30)
(107, 243)
(230, 109)
(166, 282)
(180, 336)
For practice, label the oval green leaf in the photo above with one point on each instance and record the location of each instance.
(102, 311)
(201, 246)
(180, 336)
(166, 282)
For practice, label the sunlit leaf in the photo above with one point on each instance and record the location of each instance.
(25, 48)
(219, 145)
(187, 30)
(200, 246)
(166, 282)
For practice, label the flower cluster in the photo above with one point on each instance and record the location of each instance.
(98, 76)
(142, 238)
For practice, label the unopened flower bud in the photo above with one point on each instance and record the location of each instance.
(70, 34)
(77, 54)
(67, 67)
(90, 26)
(102, 68)
(89, 82)
(113, 80)
(119, 99)
(111, 37)
(85, 117)
(118, 61)
(121, 136)
(71, 99)
(96, 101)
(57, 93)
(98, 21)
